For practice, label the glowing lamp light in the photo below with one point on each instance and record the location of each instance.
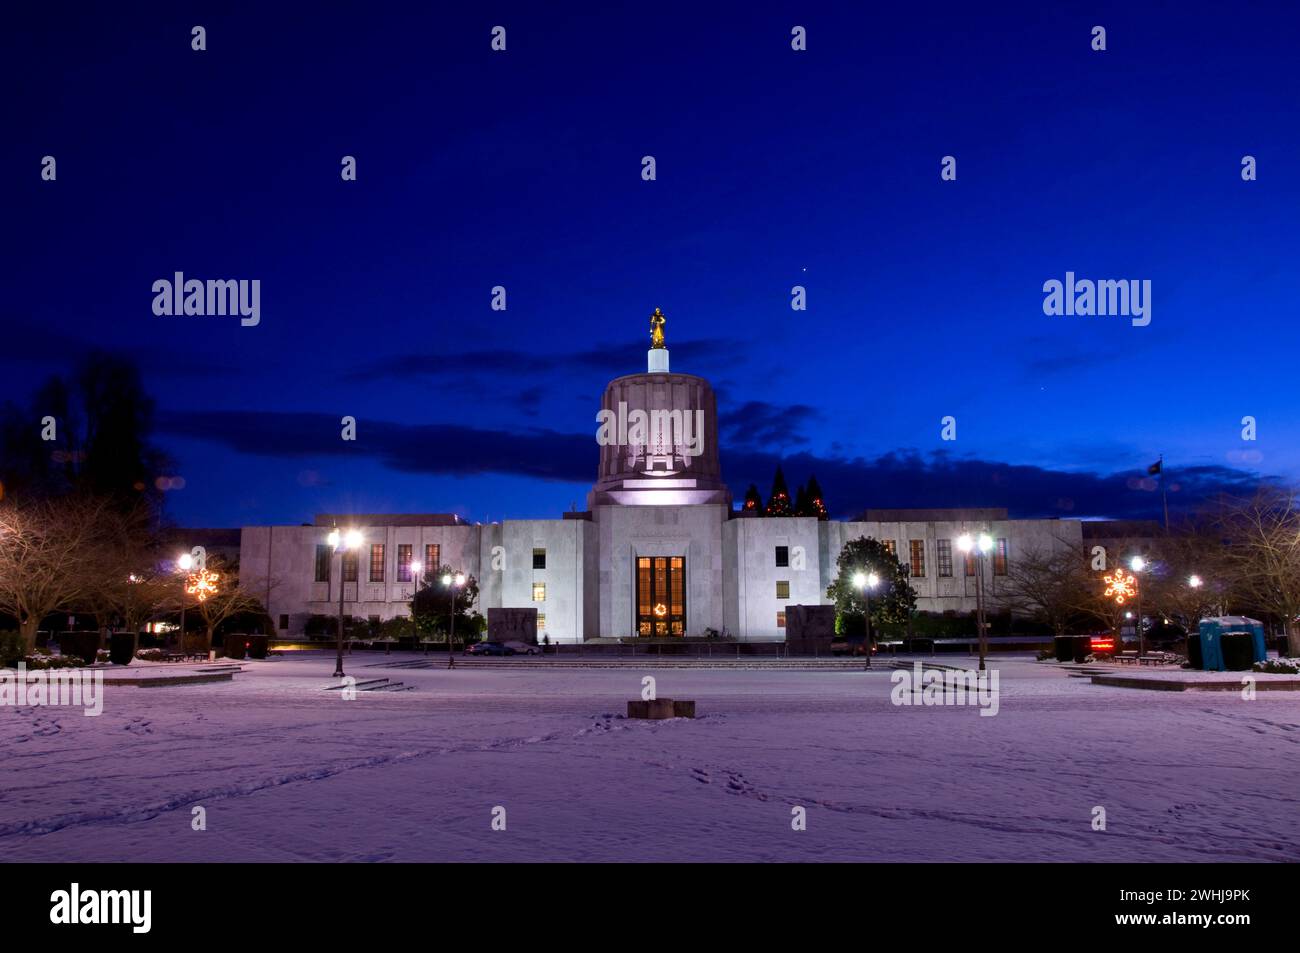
(185, 562)
(460, 579)
(446, 579)
(1137, 564)
(1194, 582)
(859, 580)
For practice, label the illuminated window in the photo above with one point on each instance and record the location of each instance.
(780, 619)
(944, 548)
(782, 557)
(917, 547)
(376, 562)
(350, 566)
(1000, 558)
(970, 563)
(322, 563)
(541, 621)
(783, 589)
(432, 557)
(403, 562)
(891, 547)
(539, 592)
(539, 559)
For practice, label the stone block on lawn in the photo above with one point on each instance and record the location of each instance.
(656, 709)
(661, 708)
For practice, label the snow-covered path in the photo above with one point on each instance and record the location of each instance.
(286, 771)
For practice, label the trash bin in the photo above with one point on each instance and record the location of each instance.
(121, 648)
(1064, 645)
(256, 645)
(1082, 647)
(83, 645)
(1194, 651)
(236, 646)
(1238, 653)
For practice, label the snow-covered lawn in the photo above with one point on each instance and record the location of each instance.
(286, 771)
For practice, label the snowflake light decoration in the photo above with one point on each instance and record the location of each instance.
(1121, 586)
(202, 584)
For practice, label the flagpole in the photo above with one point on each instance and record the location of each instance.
(1164, 497)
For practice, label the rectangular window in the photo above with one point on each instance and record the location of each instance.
(541, 621)
(780, 619)
(539, 559)
(782, 557)
(539, 592)
(891, 547)
(432, 557)
(284, 620)
(376, 562)
(322, 562)
(403, 562)
(918, 557)
(944, 548)
(1000, 558)
(783, 589)
(970, 563)
(350, 566)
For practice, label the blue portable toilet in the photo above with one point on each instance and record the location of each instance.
(1213, 630)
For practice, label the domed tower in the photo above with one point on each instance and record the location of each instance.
(658, 436)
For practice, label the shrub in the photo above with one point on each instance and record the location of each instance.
(150, 655)
(1279, 666)
(41, 662)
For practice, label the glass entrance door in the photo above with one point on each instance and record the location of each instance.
(660, 595)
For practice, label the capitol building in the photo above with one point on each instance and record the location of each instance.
(660, 550)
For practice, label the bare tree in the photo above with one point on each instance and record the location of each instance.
(228, 600)
(50, 554)
(130, 584)
(1047, 584)
(1263, 552)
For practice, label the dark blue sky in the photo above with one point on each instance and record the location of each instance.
(775, 168)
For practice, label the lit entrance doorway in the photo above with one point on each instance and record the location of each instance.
(661, 595)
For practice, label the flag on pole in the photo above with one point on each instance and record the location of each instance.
(1155, 468)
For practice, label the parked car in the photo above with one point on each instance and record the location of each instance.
(521, 648)
(488, 648)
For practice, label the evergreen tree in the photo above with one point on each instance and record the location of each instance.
(778, 501)
(801, 501)
(753, 502)
(892, 600)
(816, 501)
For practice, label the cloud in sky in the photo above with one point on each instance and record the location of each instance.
(902, 478)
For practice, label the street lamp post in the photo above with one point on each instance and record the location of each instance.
(979, 546)
(452, 583)
(414, 569)
(866, 582)
(342, 542)
(184, 562)
(1137, 564)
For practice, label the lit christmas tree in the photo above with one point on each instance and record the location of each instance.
(753, 502)
(816, 501)
(778, 501)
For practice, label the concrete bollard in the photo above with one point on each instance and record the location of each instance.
(660, 708)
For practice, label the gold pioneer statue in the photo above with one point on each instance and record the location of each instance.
(657, 329)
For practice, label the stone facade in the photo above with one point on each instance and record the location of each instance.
(737, 575)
